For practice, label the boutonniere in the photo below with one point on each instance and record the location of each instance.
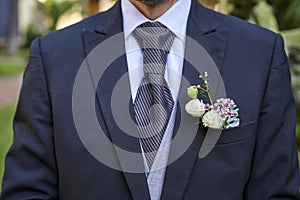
(222, 114)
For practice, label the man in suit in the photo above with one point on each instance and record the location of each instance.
(257, 160)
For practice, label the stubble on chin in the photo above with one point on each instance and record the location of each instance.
(151, 3)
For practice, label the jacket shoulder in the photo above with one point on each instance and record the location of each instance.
(73, 33)
(241, 29)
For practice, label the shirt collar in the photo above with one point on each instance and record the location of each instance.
(175, 18)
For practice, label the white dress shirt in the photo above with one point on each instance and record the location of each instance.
(176, 20)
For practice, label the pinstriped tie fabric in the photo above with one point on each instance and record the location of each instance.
(154, 103)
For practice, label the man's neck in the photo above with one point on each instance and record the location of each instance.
(153, 12)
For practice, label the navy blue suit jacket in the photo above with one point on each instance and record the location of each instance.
(255, 161)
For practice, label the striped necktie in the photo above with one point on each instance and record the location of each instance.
(154, 103)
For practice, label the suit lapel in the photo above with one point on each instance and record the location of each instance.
(117, 70)
(202, 30)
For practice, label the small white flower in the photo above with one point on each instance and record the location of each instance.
(213, 120)
(195, 107)
(232, 123)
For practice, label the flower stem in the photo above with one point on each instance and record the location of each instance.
(206, 86)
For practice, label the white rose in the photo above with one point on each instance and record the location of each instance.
(195, 108)
(212, 119)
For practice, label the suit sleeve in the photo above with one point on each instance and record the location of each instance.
(30, 169)
(275, 173)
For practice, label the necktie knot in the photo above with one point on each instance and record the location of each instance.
(155, 40)
(154, 35)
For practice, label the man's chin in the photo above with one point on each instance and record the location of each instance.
(152, 2)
